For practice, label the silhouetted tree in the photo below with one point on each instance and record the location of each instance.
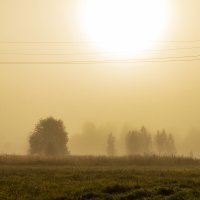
(161, 142)
(89, 129)
(164, 143)
(146, 141)
(111, 151)
(132, 143)
(92, 140)
(138, 142)
(191, 143)
(171, 149)
(49, 138)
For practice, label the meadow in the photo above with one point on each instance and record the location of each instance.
(81, 177)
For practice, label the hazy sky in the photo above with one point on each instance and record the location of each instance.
(158, 95)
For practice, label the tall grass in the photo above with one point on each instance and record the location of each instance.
(99, 160)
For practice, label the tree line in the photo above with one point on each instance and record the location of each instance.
(142, 143)
(49, 138)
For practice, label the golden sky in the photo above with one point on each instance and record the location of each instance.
(156, 94)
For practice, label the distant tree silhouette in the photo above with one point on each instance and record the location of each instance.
(49, 138)
(191, 143)
(132, 146)
(89, 129)
(164, 143)
(92, 140)
(111, 151)
(161, 142)
(138, 142)
(146, 140)
(171, 148)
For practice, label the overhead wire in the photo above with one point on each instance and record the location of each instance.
(184, 58)
(94, 53)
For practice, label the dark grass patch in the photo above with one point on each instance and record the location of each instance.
(196, 193)
(61, 198)
(116, 189)
(138, 194)
(182, 195)
(91, 195)
(184, 185)
(165, 191)
(137, 186)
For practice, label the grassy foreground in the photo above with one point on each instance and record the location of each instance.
(98, 178)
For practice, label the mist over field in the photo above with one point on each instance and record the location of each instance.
(50, 66)
(113, 101)
(99, 99)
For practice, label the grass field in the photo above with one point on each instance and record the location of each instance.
(99, 178)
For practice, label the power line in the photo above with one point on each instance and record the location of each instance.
(154, 58)
(88, 42)
(98, 62)
(93, 53)
(45, 42)
(186, 58)
(96, 53)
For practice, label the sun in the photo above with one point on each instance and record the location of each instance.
(125, 27)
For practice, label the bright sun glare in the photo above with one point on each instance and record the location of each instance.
(125, 27)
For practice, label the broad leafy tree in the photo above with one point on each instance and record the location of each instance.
(49, 138)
